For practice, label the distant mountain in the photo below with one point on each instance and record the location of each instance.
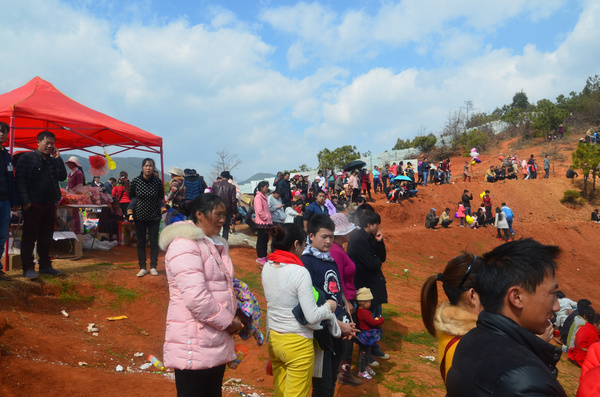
(257, 177)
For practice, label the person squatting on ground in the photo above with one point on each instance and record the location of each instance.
(287, 284)
(370, 331)
(9, 199)
(201, 316)
(445, 219)
(587, 335)
(431, 220)
(503, 356)
(452, 320)
(37, 177)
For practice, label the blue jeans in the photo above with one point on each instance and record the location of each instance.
(4, 223)
(425, 175)
(510, 221)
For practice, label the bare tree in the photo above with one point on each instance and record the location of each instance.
(225, 162)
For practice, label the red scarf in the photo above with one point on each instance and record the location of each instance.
(280, 256)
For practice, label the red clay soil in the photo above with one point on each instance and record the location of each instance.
(40, 348)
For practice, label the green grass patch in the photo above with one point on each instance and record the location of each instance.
(123, 294)
(100, 264)
(420, 338)
(67, 289)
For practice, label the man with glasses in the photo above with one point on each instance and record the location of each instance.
(37, 177)
(8, 192)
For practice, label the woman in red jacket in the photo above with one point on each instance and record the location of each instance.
(585, 337)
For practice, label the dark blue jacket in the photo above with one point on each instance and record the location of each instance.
(8, 189)
(194, 187)
(314, 209)
(326, 276)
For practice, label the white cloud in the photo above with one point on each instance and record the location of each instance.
(205, 85)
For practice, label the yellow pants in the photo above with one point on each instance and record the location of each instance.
(292, 357)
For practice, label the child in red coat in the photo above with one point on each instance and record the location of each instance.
(370, 332)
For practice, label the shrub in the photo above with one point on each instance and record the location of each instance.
(572, 197)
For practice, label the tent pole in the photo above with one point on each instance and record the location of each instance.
(162, 165)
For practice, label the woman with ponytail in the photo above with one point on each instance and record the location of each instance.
(287, 284)
(454, 319)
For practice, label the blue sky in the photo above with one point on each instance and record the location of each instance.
(277, 81)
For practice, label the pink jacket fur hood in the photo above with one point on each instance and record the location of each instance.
(202, 301)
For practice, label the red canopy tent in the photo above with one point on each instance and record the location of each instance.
(39, 106)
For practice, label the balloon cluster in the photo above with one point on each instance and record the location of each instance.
(474, 157)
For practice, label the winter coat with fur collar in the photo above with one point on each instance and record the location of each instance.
(202, 300)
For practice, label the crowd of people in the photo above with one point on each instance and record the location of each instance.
(322, 277)
(501, 217)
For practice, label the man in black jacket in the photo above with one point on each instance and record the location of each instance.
(367, 250)
(502, 356)
(8, 192)
(226, 191)
(283, 186)
(37, 177)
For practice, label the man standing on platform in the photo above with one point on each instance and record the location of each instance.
(37, 177)
(8, 193)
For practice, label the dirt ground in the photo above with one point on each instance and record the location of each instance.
(42, 352)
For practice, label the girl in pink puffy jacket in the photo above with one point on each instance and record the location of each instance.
(201, 318)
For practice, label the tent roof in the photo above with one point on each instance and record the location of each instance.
(39, 106)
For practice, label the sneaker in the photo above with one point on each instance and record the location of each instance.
(370, 371)
(4, 276)
(153, 272)
(142, 273)
(31, 274)
(381, 355)
(262, 261)
(365, 375)
(50, 271)
(374, 363)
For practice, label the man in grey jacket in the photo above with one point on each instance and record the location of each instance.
(546, 167)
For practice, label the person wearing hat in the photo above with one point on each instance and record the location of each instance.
(346, 270)
(76, 176)
(370, 331)
(37, 178)
(431, 220)
(226, 191)
(177, 191)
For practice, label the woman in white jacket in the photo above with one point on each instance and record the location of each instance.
(501, 224)
(286, 284)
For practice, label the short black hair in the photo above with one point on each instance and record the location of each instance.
(45, 134)
(283, 237)
(586, 312)
(560, 295)
(581, 303)
(320, 221)
(319, 192)
(525, 263)
(368, 218)
(205, 203)
(4, 126)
